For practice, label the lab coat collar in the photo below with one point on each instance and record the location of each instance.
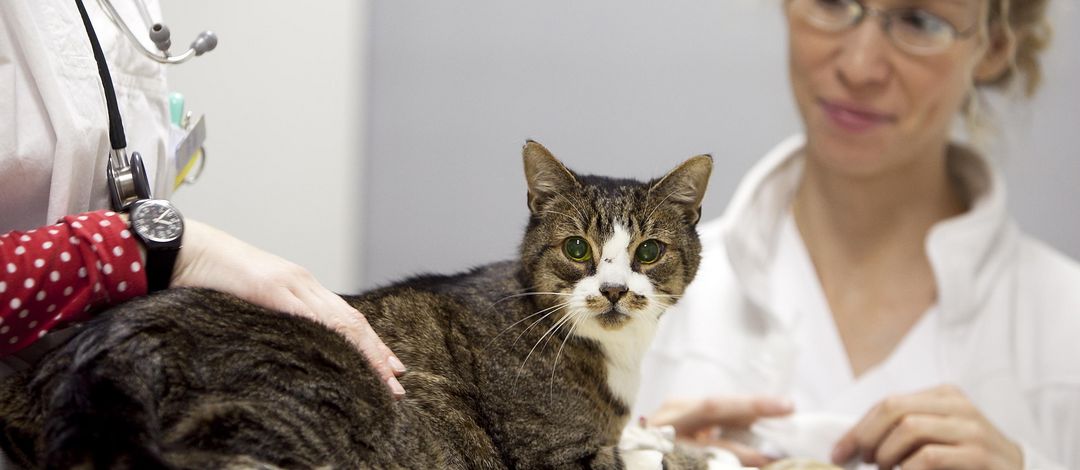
(967, 252)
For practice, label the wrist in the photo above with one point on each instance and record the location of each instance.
(159, 228)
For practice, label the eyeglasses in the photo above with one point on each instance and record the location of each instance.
(913, 30)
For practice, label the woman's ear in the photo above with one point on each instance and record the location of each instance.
(999, 56)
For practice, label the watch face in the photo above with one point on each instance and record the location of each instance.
(157, 220)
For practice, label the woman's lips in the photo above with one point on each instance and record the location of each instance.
(854, 119)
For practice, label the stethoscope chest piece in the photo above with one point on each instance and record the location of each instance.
(127, 183)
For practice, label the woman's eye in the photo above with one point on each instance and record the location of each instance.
(831, 14)
(834, 4)
(923, 22)
(649, 251)
(577, 249)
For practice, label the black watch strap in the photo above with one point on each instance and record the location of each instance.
(160, 227)
(159, 268)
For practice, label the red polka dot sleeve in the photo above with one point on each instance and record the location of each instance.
(59, 274)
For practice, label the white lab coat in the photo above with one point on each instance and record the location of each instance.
(1008, 313)
(54, 142)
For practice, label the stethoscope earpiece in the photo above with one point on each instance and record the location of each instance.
(161, 37)
(127, 178)
(205, 42)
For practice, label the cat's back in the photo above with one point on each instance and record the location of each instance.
(200, 321)
(219, 369)
(484, 294)
(223, 370)
(477, 287)
(205, 367)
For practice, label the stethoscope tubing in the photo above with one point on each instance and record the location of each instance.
(162, 58)
(127, 176)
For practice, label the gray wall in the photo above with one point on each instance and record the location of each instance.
(616, 87)
(284, 97)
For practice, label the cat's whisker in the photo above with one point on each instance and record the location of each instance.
(526, 294)
(547, 312)
(676, 296)
(562, 322)
(573, 326)
(545, 335)
(663, 291)
(666, 300)
(663, 305)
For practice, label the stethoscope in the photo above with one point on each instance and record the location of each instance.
(128, 181)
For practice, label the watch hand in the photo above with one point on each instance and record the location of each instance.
(163, 214)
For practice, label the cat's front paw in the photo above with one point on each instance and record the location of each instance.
(655, 448)
(701, 458)
(642, 459)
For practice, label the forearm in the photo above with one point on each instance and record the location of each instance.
(62, 273)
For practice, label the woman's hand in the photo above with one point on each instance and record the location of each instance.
(699, 421)
(934, 429)
(214, 259)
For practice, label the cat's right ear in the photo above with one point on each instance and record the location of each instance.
(547, 177)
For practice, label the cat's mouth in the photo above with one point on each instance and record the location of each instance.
(612, 318)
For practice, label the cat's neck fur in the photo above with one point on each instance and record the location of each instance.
(623, 352)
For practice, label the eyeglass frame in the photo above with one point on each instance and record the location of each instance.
(886, 16)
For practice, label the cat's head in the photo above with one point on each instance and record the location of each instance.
(610, 255)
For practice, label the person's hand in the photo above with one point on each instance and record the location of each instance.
(214, 259)
(933, 429)
(699, 420)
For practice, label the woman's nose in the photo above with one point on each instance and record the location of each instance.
(863, 58)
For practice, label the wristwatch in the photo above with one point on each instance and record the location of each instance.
(159, 226)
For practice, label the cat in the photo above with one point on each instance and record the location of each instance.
(531, 363)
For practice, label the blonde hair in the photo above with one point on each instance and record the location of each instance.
(1026, 24)
(1023, 22)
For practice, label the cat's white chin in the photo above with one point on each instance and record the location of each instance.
(612, 319)
(623, 346)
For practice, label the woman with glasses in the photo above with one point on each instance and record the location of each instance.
(867, 279)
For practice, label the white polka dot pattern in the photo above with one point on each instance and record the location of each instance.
(45, 281)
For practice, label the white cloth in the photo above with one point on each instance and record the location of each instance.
(1007, 320)
(54, 143)
(644, 448)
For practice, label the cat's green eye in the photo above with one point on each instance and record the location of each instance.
(577, 249)
(649, 251)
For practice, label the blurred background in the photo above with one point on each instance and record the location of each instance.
(368, 140)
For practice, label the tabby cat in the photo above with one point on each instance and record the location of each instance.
(531, 363)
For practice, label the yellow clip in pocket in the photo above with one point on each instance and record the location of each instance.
(190, 154)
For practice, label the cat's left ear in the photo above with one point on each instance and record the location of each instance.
(685, 186)
(547, 177)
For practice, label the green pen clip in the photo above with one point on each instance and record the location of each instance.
(176, 108)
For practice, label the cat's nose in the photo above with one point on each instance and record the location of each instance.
(614, 292)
